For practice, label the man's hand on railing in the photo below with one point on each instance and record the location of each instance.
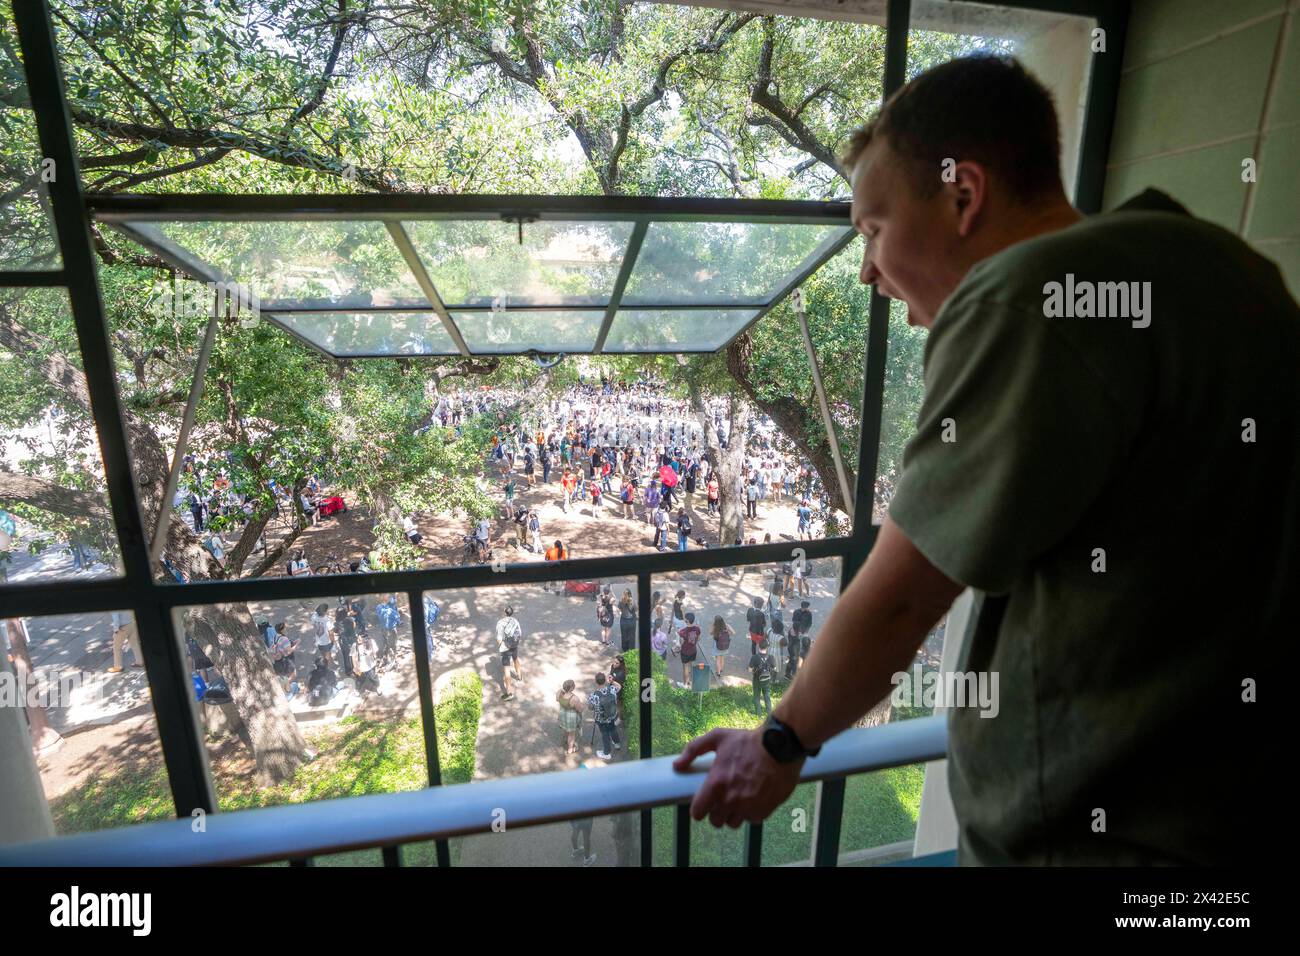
(744, 784)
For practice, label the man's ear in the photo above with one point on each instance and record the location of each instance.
(968, 192)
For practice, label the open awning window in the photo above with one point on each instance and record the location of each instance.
(378, 275)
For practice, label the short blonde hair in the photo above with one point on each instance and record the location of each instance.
(988, 109)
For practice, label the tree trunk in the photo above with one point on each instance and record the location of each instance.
(228, 635)
(730, 464)
(791, 416)
(877, 715)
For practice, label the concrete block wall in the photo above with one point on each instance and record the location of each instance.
(1207, 84)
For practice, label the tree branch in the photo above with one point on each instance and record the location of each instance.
(783, 120)
(48, 496)
(283, 153)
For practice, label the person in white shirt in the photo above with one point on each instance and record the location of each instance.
(298, 566)
(509, 634)
(323, 630)
(410, 530)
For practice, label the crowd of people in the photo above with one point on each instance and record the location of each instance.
(346, 642)
(624, 450)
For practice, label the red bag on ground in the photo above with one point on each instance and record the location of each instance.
(330, 505)
(582, 587)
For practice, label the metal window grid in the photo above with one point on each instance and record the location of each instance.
(152, 602)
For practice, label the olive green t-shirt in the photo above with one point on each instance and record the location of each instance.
(1122, 493)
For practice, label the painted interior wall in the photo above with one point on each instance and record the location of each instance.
(1208, 84)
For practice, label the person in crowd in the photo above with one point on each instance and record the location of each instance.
(298, 564)
(799, 572)
(625, 493)
(410, 530)
(580, 838)
(712, 492)
(509, 488)
(346, 632)
(722, 633)
(661, 528)
(683, 529)
(534, 532)
(761, 669)
(800, 627)
(124, 635)
(389, 615)
(364, 662)
(569, 484)
(618, 677)
(509, 636)
(751, 497)
(690, 638)
(659, 639)
(627, 621)
(571, 706)
(283, 660)
(322, 625)
(603, 702)
(757, 622)
(605, 613)
(322, 683)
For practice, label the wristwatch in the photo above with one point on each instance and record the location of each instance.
(783, 743)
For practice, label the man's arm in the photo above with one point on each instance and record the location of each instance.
(872, 633)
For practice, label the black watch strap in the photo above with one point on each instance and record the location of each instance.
(781, 741)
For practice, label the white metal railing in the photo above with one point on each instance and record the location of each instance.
(354, 823)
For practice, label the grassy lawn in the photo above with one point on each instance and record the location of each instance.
(879, 808)
(358, 755)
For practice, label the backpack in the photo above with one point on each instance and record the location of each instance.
(388, 616)
(603, 709)
(763, 672)
(684, 526)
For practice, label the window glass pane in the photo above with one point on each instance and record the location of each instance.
(690, 698)
(84, 708)
(880, 814)
(901, 404)
(667, 330)
(1054, 47)
(338, 263)
(558, 263)
(55, 518)
(722, 263)
(507, 331)
(609, 840)
(560, 638)
(395, 463)
(370, 333)
(26, 234)
(368, 857)
(305, 700)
